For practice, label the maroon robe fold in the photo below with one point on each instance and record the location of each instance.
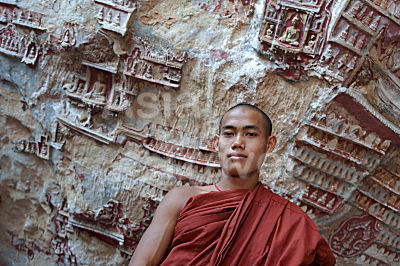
(245, 227)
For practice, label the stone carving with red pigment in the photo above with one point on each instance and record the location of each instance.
(106, 223)
(22, 34)
(353, 236)
(16, 43)
(104, 86)
(349, 160)
(365, 32)
(30, 247)
(196, 156)
(79, 119)
(293, 34)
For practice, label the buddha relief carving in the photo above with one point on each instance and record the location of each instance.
(291, 35)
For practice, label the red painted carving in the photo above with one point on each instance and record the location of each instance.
(389, 240)
(182, 153)
(63, 251)
(386, 179)
(60, 227)
(381, 194)
(377, 209)
(30, 247)
(106, 224)
(363, 45)
(322, 200)
(338, 125)
(364, 174)
(353, 236)
(208, 144)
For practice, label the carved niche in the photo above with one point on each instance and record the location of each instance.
(293, 34)
(115, 15)
(6, 12)
(163, 67)
(12, 42)
(32, 50)
(68, 35)
(17, 41)
(349, 160)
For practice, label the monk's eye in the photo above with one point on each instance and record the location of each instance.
(227, 134)
(251, 134)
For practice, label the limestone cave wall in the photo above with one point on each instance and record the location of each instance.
(106, 105)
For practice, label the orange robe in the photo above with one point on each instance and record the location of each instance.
(245, 227)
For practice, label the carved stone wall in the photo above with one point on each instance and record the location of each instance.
(106, 105)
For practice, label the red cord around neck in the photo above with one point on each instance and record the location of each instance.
(215, 184)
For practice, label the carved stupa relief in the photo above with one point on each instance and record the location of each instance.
(27, 19)
(68, 35)
(293, 34)
(348, 158)
(361, 27)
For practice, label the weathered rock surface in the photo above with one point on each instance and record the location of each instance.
(106, 105)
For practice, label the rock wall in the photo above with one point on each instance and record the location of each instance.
(108, 104)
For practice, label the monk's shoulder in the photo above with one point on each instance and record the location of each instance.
(178, 196)
(180, 193)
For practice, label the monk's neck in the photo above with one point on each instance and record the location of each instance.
(228, 183)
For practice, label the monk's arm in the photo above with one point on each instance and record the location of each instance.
(155, 241)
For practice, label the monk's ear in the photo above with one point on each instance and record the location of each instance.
(216, 142)
(271, 143)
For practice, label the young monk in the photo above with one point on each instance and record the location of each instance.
(235, 221)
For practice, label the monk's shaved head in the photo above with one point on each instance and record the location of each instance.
(266, 121)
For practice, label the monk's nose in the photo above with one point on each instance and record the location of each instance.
(238, 142)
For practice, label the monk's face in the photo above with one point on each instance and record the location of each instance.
(243, 143)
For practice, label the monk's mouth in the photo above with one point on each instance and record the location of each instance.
(236, 156)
